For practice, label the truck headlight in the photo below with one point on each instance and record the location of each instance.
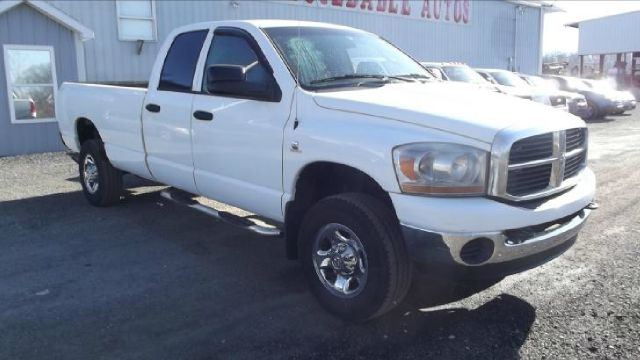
(441, 169)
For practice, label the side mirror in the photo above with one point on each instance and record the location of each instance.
(219, 77)
(231, 80)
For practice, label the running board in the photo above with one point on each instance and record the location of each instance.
(187, 199)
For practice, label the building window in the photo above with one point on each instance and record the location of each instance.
(136, 20)
(31, 83)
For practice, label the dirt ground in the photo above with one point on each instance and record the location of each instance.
(152, 280)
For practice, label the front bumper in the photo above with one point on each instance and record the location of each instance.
(482, 232)
(612, 106)
(630, 105)
(506, 252)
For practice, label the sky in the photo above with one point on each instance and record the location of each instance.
(559, 38)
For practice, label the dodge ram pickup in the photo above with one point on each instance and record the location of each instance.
(362, 161)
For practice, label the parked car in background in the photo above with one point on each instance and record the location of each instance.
(628, 100)
(24, 107)
(511, 84)
(435, 69)
(460, 73)
(576, 103)
(599, 103)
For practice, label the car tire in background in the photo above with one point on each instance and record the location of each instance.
(592, 111)
(101, 182)
(354, 256)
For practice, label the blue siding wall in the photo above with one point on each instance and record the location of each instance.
(23, 25)
(487, 41)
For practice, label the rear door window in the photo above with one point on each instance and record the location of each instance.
(181, 60)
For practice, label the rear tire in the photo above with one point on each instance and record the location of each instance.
(364, 227)
(101, 182)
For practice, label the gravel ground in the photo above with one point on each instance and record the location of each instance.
(152, 280)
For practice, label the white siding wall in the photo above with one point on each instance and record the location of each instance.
(487, 41)
(611, 34)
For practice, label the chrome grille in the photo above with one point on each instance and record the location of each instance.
(538, 165)
(531, 148)
(575, 138)
(574, 164)
(524, 181)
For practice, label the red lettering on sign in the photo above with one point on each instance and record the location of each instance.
(351, 3)
(324, 2)
(393, 8)
(382, 5)
(406, 7)
(310, 1)
(425, 9)
(457, 11)
(465, 12)
(366, 4)
(437, 4)
(336, 2)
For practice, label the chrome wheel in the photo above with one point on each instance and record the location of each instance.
(90, 174)
(340, 260)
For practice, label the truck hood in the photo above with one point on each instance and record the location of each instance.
(449, 107)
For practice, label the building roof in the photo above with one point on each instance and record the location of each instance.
(609, 34)
(53, 13)
(546, 6)
(576, 24)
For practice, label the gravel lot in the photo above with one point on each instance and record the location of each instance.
(152, 280)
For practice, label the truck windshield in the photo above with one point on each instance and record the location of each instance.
(325, 58)
(464, 74)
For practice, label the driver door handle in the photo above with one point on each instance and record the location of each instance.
(203, 115)
(153, 108)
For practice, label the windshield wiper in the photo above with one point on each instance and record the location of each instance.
(414, 76)
(350, 77)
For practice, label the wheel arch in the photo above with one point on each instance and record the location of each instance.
(85, 130)
(318, 180)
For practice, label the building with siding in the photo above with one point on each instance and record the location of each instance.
(617, 35)
(48, 42)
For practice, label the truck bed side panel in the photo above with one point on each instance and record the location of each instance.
(116, 113)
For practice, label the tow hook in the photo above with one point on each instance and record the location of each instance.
(593, 205)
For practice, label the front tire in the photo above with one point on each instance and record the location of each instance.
(354, 256)
(592, 111)
(101, 182)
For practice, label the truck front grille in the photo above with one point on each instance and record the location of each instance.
(527, 180)
(531, 148)
(575, 138)
(574, 165)
(540, 165)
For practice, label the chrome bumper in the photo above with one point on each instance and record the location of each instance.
(508, 245)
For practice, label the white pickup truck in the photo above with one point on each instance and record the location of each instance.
(348, 146)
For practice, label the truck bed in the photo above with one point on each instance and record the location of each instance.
(115, 110)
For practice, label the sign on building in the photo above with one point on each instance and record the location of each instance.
(449, 11)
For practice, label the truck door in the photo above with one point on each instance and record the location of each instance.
(237, 126)
(166, 115)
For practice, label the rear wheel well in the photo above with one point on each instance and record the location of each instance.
(318, 181)
(86, 130)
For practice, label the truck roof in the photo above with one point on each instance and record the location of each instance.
(269, 23)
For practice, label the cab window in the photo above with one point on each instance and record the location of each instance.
(181, 60)
(236, 51)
